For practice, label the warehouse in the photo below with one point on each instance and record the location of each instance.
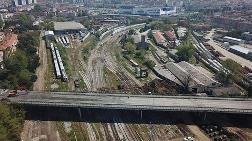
(241, 51)
(197, 80)
(68, 27)
(159, 39)
(232, 40)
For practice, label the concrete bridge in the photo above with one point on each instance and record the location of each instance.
(135, 102)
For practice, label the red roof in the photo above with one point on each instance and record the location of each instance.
(170, 35)
(8, 42)
(159, 37)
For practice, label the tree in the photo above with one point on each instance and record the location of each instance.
(224, 78)
(12, 118)
(150, 64)
(235, 69)
(1, 23)
(26, 22)
(131, 32)
(130, 47)
(185, 51)
(38, 8)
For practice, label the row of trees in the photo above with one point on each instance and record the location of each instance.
(19, 68)
(11, 122)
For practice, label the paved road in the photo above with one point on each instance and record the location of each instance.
(227, 54)
(136, 102)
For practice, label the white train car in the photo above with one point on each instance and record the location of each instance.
(64, 41)
(55, 62)
(61, 66)
(67, 40)
(60, 41)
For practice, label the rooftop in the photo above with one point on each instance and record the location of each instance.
(231, 38)
(67, 26)
(159, 37)
(9, 40)
(170, 35)
(184, 70)
(241, 49)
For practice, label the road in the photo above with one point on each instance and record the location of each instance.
(136, 102)
(41, 70)
(227, 54)
(40, 130)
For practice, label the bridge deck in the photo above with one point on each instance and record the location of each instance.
(136, 102)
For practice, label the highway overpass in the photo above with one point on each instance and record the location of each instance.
(135, 102)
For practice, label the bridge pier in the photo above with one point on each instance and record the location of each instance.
(141, 112)
(80, 114)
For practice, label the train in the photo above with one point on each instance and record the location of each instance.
(61, 66)
(55, 62)
(58, 64)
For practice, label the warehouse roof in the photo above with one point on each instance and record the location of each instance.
(170, 35)
(241, 49)
(167, 74)
(184, 70)
(231, 38)
(67, 26)
(159, 37)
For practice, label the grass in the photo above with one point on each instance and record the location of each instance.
(87, 47)
(111, 78)
(80, 130)
(97, 127)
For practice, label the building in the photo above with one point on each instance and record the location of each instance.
(232, 40)
(241, 51)
(159, 39)
(170, 36)
(232, 23)
(140, 41)
(182, 31)
(197, 80)
(8, 41)
(247, 36)
(147, 11)
(68, 27)
(24, 2)
(8, 44)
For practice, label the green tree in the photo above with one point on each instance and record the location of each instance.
(26, 22)
(130, 47)
(224, 78)
(131, 32)
(17, 62)
(235, 69)
(11, 121)
(150, 64)
(1, 23)
(185, 51)
(38, 8)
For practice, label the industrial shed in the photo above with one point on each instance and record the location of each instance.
(159, 39)
(190, 76)
(68, 27)
(241, 51)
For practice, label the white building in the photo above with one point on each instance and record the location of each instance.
(232, 40)
(152, 11)
(24, 2)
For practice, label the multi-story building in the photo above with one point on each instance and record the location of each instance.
(24, 2)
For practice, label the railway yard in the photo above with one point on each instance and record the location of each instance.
(104, 70)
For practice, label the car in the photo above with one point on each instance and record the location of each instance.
(77, 83)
